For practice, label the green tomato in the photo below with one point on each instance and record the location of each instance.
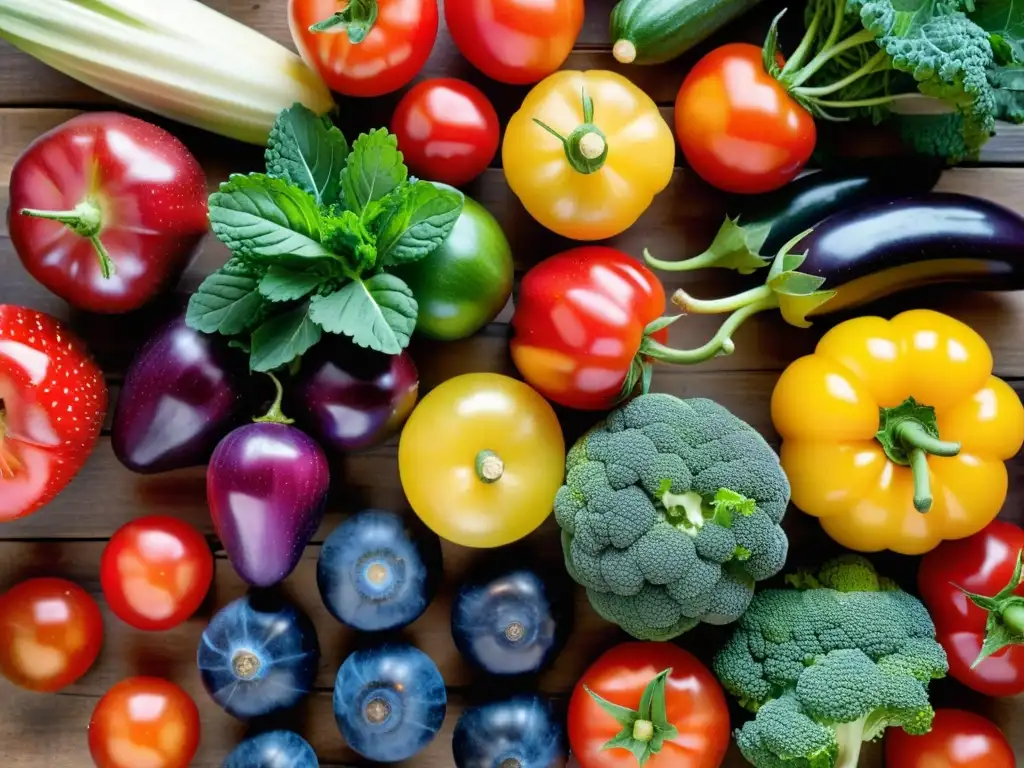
(465, 283)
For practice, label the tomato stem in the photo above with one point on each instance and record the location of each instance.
(877, 63)
(275, 415)
(643, 730)
(1013, 617)
(489, 467)
(1005, 624)
(356, 21)
(85, 220)
(646, 728)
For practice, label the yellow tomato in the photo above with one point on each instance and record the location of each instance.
(587, 152)
(481, 459)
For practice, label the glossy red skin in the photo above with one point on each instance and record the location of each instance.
(588, 307)
(55, 400)
(51, 632)
(958, 739)
(737, 126)
(447, 130)
(515, 41)
(982, 564)
(696, 706)
(152, 192)
(144, 721)
(156, 572)
(390, 56)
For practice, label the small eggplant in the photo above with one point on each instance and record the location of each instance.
(869, 253)
(183, 393)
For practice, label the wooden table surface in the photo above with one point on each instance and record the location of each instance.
(66, 538)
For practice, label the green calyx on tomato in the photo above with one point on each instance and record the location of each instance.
(645, 729)
(356, 20)
(586, 148)
(1005, 625)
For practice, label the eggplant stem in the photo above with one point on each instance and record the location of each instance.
(695, 306)
(700, 261)
(275, 415)
(720, 344)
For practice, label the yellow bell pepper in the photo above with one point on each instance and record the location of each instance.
(895, 433)
(587, 152)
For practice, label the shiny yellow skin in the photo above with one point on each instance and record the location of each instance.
(437, 459)
(594, 206)
(826, 408)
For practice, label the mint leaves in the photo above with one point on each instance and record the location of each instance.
(311, 240)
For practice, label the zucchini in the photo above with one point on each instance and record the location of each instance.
(656, 31)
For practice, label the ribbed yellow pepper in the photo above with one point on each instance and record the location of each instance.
(896, 433)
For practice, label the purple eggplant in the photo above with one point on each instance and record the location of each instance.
(351, 398)
(267, 485)
(184, 392)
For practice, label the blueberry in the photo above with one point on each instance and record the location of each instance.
(274, 749)
(376, 573)
(259, 655)
(389, 701)
(511, 622)
(521, 732)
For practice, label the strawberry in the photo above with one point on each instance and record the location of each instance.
(53, 400)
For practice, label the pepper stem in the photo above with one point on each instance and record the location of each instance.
(489, 467)
(586, 148)
(9, 463)
(1005, 624)
(85, 220)
(275, 415)
(356, 20)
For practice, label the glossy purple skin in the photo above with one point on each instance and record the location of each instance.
(183, 393)
(266, 485)
(351, 398)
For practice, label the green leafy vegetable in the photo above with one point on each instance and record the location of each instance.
(379, 313)
(416, 222)
(309, 153)
(374, 170)
(227, 300)
(282, 284)
(283, 338)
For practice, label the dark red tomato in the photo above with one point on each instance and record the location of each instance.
(144, 721)
(982, 564)
(958, 739)
(156, 572)
(51, 632)
(382, 49)
(118, 207)
(515, 41)
(738, 127)
(694, 704)
(447, 130)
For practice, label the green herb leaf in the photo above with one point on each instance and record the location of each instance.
(282, 284)
(267, 220)
(378, 313)
(415, 220)
(283, 338)
(374, 169)
(228, 301)
(309, 152)
(347, 236)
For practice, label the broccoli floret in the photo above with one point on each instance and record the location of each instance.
(829, 664)
(670, 512)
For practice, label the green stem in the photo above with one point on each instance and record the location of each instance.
(489, 467)
(85, 220)
(720, 344)
(1013, 617)
(643, 730)
(796, 61)
(919, 444)
(275, 415)
(701, 261)
(695, 306)
(876, 101)
(870, 66)
(586, 148)
(828, 53)
(356, 20)
(850, 737)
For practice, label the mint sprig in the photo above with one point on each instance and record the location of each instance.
(312, 240)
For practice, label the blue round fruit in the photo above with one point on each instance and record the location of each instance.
(511, 622)
(259, 655)
(377, 573)
(389, 702)
(521, 732)
(274, 749)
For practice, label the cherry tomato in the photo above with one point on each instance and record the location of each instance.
(50, 634)
(739, 129)
(957, 739)
(515, 41)
(382, 49)
(447, 130)
(156, 572)
(481, 459)
(144, 721)
(695, 705)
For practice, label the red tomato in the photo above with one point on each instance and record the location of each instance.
(52, 403)
(739, 129)
(579, 321)
(695, 706)
(114, 180)
(982, 564)
(515, 41)
(958, 739)
(447, 130)
(156, 572)
(357, 62)
(144, 721)
(50, 634)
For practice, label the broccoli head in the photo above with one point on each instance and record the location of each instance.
(670, 513)
(829, 664)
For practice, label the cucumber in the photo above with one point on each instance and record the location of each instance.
(656, 31)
